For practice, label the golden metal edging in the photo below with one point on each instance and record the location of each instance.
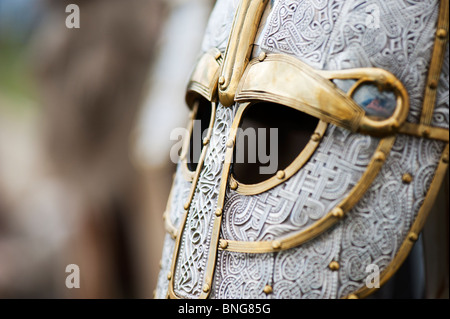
(204, 77)
(437, 60)
(240, 43)
(430, 132)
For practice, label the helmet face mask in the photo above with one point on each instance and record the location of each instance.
(326, 161)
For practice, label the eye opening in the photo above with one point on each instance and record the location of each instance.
(201, 122)
(262, 125)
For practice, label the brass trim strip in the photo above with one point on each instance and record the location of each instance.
(325, 222)
(420, 130)
(437, 60)
(171, 292)
(240, 43)
(415, 229)
(294, 167)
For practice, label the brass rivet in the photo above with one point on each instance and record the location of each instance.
(221, 80)
(223, 244)
(268, 289)
(233, 185)
(169, 276)
(280, 174)
(337, 212)
(334, 265)
(315, 137)
(413, 236)
(426, 132)
(433, 84)
(205, 141)
(407, 178)
(218, 212)
(276, 244)
(352, 296)
(262, 56)
(441, 33)
(206, 287)
(380, 157)
(218, 55)
(230, 143)
(445, 158)
(186, 206)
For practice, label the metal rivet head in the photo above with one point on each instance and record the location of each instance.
(268, 289)
(262, 56)
(205, 141)
(380, 157)
(334, 265)
(445, 158)
(280, 174)
(206, 287)
(223, 244)
(315, 137)
(426, 132)
(233, 185)
(337, 212)
(276, 244)
(407, 178)
(230, 143)
(352, 296)
(186, 206)
(221, 80)
(218, 55)
(218, 212)
(441, 33)
(433, 84)
(413, 236)
(169, 276)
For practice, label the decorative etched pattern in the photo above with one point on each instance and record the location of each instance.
(166, 261)
(242, 275)
(302, 28)
(390, 34)
(195, 241)
(180, 193)
(333, 170)
(375, 228)
(219, 25)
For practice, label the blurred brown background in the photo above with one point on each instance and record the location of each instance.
(85, 117)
